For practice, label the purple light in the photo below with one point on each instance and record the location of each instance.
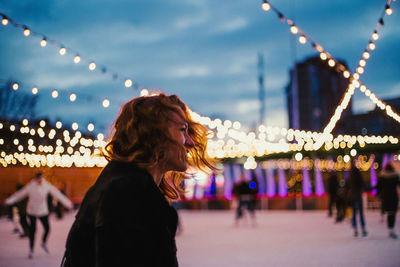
(282, 185)
(307, 191)
(319, 184)
(270, 183)
(374, 180)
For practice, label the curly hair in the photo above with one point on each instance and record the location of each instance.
(140, 136)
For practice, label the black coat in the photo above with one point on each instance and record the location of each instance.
(387, 190)
(124, 220)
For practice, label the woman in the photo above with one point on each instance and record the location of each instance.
(125, 218)
(37, 191)
(387, 189)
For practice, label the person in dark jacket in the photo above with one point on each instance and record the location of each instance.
(387, 189)
(333, 187)
(355, 189)
(125, 218)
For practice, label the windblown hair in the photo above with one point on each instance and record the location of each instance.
(141, 134)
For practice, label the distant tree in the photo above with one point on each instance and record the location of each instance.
(16, 104)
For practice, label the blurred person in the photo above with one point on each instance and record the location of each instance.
(387, 189)
(245, 199)
(21, 206)
(37, 191)
(125, 218)
(333, 187)
(341, 201)
(355, 187)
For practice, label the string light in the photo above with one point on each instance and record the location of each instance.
(90, 127)
(294, 29)
(43, 42)
(27, 32)
(58, 124)
(302, 39)
(375, 36)
(106, 103)
(388, 10)
(92, 66)
(62, 51)
(54, 94)
(265, 6)
(4, 21)
(75, 126)
(77, 59)
(72, 97)
(15, 86)
(34, 90)
(128, 83)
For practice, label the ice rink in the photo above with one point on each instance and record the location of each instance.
(209, 238)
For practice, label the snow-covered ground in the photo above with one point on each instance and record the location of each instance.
(209, 238)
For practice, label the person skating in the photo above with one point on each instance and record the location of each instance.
(37, 191)
(387, 189)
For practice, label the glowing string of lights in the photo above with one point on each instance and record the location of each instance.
(72, 97)
(63, 50)
(324, 55)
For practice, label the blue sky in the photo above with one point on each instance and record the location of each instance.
(203, 50)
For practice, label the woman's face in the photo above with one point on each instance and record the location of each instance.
(177, 159)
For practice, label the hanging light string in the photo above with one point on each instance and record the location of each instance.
(339, 67)
(38, 144)
(63, 50)
(56, 94)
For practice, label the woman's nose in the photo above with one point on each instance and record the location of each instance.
(189, 143)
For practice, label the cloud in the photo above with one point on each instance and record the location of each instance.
(188, 71)
(232, 25)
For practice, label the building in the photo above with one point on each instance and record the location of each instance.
(375, 122)
(312, 100)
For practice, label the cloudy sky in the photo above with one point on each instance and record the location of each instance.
(203, 50)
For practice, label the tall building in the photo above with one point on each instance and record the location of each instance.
(312, 100)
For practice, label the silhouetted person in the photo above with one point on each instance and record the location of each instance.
(333, 187)
(21, 206)
(245, 198)
(37, 191)
(125, 218)
(355, 187)
(387, 189)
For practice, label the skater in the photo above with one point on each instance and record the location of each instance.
(125, 218)
(37, 191)
(333, 187)
(387, 189)
(355, 188)
(245, 195)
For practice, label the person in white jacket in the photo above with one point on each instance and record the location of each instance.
(37, 191)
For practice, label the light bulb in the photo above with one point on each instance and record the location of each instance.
(43, 43)
(77, 59)
(62, 51)
(92, 66)
(106, 103)
(4, 21)
(331, 62)
(15, 86)
(90, 127)
(72, 97)
(323, 56)
(128, 83)
(27, 32)
(266, 6)
(371, 46)
(54, 94)
(34, 90)
(294, 29)
(302, 39)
